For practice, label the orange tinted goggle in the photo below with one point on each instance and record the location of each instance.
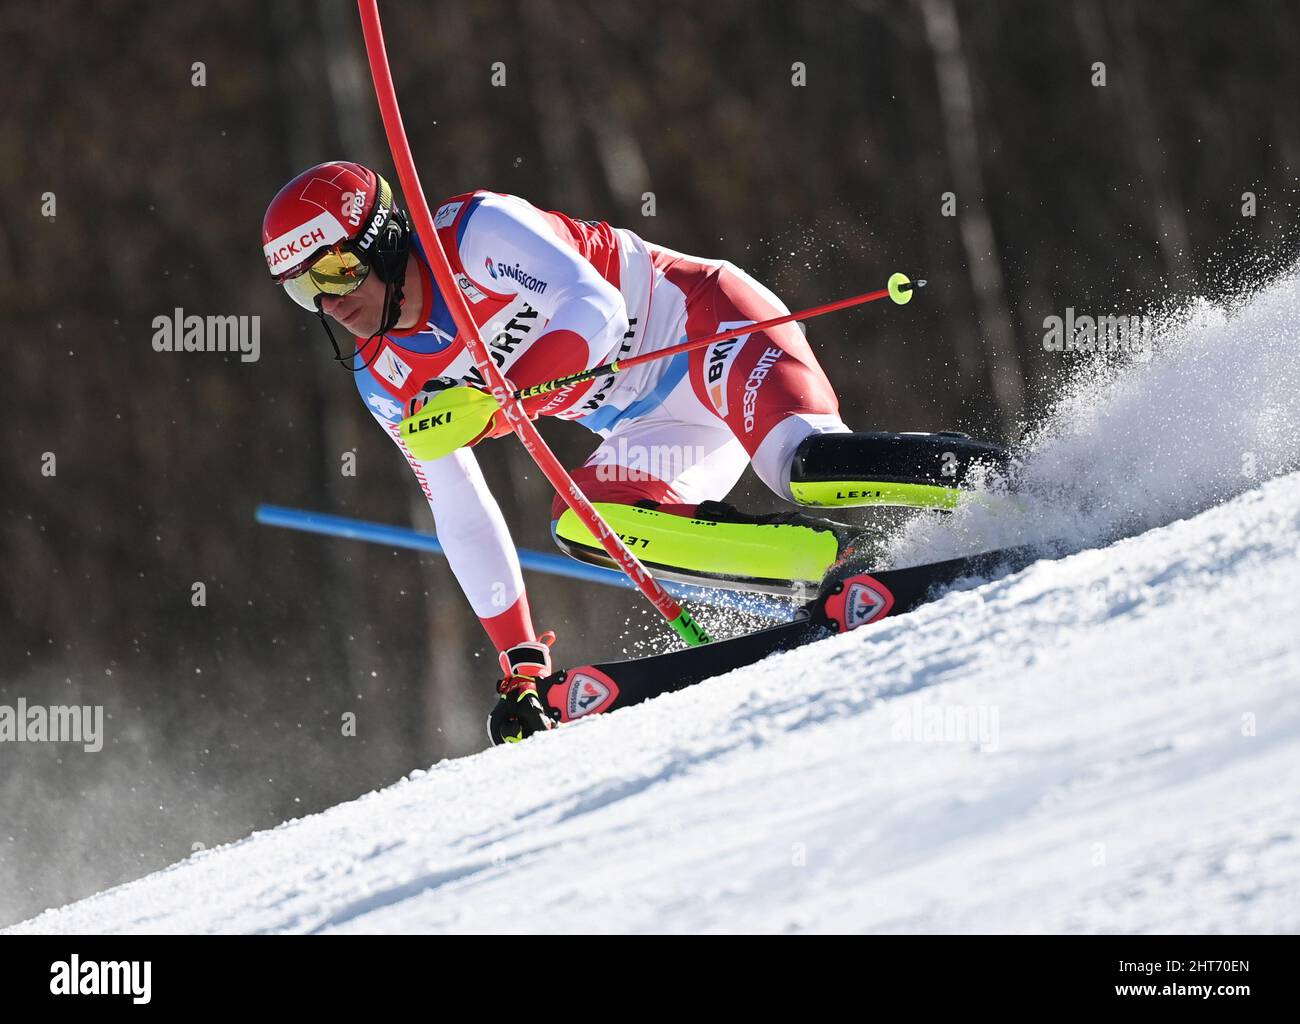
(337, 271)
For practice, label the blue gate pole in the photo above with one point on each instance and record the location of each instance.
(532, 561)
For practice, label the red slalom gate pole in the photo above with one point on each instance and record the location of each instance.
(680, 619)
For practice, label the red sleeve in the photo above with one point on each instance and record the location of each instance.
(554, 354)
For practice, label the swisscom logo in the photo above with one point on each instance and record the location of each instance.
(515, 273)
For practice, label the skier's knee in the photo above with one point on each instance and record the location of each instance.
(778, 453)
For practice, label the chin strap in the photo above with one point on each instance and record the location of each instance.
(391, 266)
(348, 361)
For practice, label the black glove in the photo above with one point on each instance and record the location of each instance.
(519, 713)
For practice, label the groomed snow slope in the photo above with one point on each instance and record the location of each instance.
(1106, 742)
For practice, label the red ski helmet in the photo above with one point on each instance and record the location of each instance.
(329, 227)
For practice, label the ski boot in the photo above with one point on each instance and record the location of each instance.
(908, 470)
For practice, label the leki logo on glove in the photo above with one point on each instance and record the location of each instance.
(440, 419)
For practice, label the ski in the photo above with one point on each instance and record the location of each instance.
(850, 597)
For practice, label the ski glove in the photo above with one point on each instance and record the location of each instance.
(519, 712)
(498, 426)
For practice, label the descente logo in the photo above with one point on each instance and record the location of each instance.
(132, 978)
(755, 381)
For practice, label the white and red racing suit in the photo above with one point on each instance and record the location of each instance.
(553, 296)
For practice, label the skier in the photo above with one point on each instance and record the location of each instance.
(553, 295)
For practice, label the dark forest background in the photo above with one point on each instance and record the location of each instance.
(227, 718)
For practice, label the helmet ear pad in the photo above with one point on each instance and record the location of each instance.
(389, 254)
(392, 248)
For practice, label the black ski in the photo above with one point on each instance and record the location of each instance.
(849, 597)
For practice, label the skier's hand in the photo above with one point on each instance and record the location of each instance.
(498, 426)
(519, 712)
(445, 415)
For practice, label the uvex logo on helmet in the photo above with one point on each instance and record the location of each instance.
(354, 204)
(372, 232)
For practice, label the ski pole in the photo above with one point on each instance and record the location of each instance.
(681, 620)
(327, 525)
(899, 289)
(456, 416)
